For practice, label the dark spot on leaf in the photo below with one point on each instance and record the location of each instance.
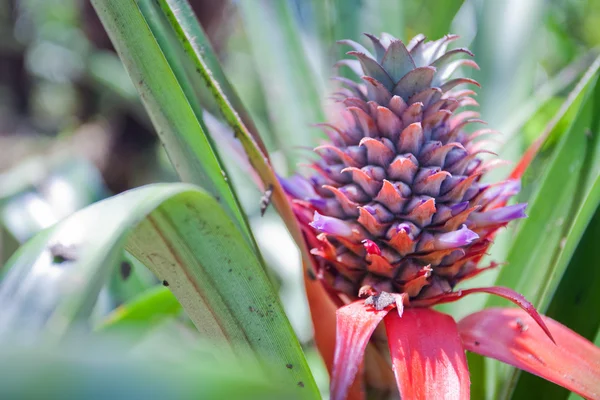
(125, 270)
(61, 253)
(165, 283)
(251, 309)
(249, 278)
(380, 301)
(230, 269)
(289, 366)
(301, 384)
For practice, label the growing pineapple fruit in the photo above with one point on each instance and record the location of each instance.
(396, 203)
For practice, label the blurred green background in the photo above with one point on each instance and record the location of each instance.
(73, 131)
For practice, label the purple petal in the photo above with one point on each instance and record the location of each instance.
(498, 215)
(459, 207)
(459, 238)
(298, 187)
(330, 225)
(501, 192)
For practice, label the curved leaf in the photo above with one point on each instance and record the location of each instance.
(188, 241)
(148, 308)
(510, 336)
(427, 355)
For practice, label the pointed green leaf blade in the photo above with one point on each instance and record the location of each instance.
(184, 236)
(170, 111)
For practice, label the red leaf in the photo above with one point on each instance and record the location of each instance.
(506, 334)
(323, 315)
(427, 355)
(355, 324)
(501, 291)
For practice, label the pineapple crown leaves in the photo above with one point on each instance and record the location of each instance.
(406, 70)
(396, 203)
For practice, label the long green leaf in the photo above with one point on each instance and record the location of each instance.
(174, 119)
(185, 26)
(293, 88)
(100, 369)
(188, 241)
(575, 300)
(187, 29)
(553, 207)
(547, 238)
(194, 43)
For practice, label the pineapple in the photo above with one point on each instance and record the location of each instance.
(396, 204)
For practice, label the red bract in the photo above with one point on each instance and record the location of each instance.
(414, 335)
(506, 335)
(427, 355)
(396, 215)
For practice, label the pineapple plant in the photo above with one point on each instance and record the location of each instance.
(396, 203)
(396, 215)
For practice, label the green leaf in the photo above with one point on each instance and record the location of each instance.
(198, 48)
(96, 370)
(147, 309)
(129, 280)
(184, 236)
(559, 211)
(170, 111)
(187, 28)
(293, 87)
(345, 22)
(391, 18)
(575, 301)
(180, 15)
(553, 207)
